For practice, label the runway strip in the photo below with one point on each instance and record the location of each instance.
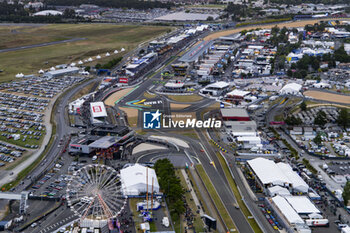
(40, 45)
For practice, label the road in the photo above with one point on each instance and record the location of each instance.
(40, 45)
(216, 174)
(250, 202)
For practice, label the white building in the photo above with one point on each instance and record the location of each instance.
(134, 182)
(98, 112)
(47, 13)
(288, 212)
(291, 89)
(302, 205)
(278, 190)
(215, 89)
(268, 174)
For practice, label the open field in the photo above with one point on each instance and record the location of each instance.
(100, 38)
(116, 96)
(132, 115)
(137, 220)
(178, 106)
(149, 95)
(185, 98)
(84, 91)
(319, 95)
(301, 23)
(333, 105)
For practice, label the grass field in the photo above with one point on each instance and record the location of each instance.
(215, 196)
(149, 95)
(185, 98)
(83, 91)
(100, 38)
(137, 219)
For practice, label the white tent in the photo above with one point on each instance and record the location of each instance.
(72, 64)
(268, 172)
(52, 68)
(291, 89)
(90, 59)
(134, 181)
(322, 85)
(116, 51)
(278, 190)
(80, 62)
(107, 54)
(302, 204)
(297, 182)
(41, 71)
(19, 75)
(98, 57)
(288, 212)
(122, 50)
(47, 13)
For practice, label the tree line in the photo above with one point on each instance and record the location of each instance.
(135, 4)
(298, 2)
(17, 14)
(171, 187)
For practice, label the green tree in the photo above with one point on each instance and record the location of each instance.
(98, 66)
(87, 68)
(303, 106)
(318, 139)
(321, 118)
(346, 193)
(292, 120)
(341, 55)
(170, 185)
(343, 118)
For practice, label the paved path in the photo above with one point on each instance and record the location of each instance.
(40, 45)
(193, 194)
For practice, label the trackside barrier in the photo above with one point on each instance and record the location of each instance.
(250, 210)
(216, 209)
(163, 142)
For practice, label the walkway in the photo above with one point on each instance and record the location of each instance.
(193, 194)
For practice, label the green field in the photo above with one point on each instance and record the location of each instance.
(100, 38)
(185, 98)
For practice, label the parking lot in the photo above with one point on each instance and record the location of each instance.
(23, 103)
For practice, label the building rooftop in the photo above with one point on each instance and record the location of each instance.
(104, 142)
(234, 112)
(183, 16)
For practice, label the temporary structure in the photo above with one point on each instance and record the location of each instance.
(134, 180)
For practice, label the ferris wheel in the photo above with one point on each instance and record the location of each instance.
(94, 192)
